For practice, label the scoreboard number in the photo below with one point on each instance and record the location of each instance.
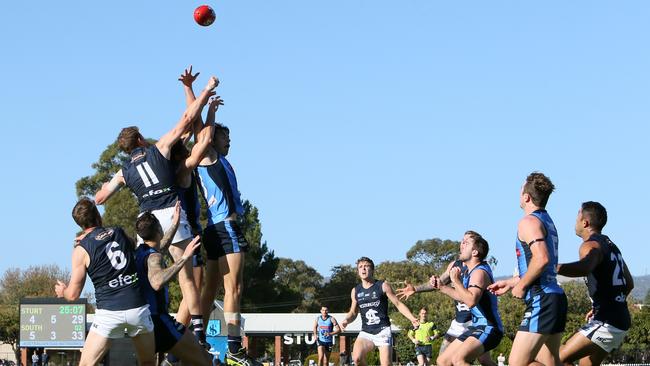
(52, 323)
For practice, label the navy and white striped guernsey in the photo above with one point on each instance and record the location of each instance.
(219, 188)
(112, 269)
(152, 178)
(547, 281)
(606, 285)
(373, 306)
(158, 300)
(463, 314)
(486, 311)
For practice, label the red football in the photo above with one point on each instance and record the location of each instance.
(204, 15)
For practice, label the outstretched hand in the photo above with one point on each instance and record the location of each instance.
(191, 247)
(59, 288)
(187, 78)
(405, 292)
(214, 103)
(500, 287)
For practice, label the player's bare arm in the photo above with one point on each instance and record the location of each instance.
(403, 309)
(352, 313)
(502, 287)
(80, 262)
(169, 234)
(590, 257)
(531, 230)
(407, 291)
(187, 79)
(109, 188)
(158, 275)
(336, 329)
(470, 296)
(165, 143)
(204, 138)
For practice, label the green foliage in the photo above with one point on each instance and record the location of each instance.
(299, 283)
(335, 294)
(35, 281)
(511, 310)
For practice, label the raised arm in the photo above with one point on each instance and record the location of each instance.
(193, 110)
(109, 188)
(158, 275)
(388, 290)
(531, 231)
(352, 313)
(72, 291)
(187, 79)
(204, 139)
(590, 257)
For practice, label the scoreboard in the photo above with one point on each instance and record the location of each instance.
(52, 323)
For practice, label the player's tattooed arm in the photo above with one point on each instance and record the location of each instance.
(158, 275)
(169, 235)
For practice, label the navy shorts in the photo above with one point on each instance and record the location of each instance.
(425, 350)
(167, 331)
(223, 238)
(489, 336)
(327, 345)
(545, 314)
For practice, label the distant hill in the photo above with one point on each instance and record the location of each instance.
(641, 285)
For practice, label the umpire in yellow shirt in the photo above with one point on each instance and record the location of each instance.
(423, 338)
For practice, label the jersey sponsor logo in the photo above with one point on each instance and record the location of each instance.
(123, 280)
(156, 192)
(518, 252)
(371, 317)
(620, 298)
(373, 304)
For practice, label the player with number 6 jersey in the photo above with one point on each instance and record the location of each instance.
(106, 255)
(609, 283)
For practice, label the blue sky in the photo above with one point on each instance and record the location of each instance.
(358, 127)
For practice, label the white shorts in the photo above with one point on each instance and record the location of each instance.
(114, 323)
(164, 216)
(456, 328)
(606, 336)
(383, 338)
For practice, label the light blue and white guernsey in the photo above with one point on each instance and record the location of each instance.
(219, 189)
(486, 312)
(547, 281)
(325, 327)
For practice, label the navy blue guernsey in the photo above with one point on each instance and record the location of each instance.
(373, 306)
(547, 280)
(152, 178)
(486, 311)
(219, 188)
(463, 314)
(607, 286)
(158, 300)
(190, 202)
(112, 269)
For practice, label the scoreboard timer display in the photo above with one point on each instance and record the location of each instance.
(52, 323)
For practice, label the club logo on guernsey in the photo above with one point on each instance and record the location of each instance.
(371, 317)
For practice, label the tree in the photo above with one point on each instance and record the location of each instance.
(298, 283)
(122, 209)
(35, 281)
(335, 293)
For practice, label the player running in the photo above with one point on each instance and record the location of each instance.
(325, 327)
